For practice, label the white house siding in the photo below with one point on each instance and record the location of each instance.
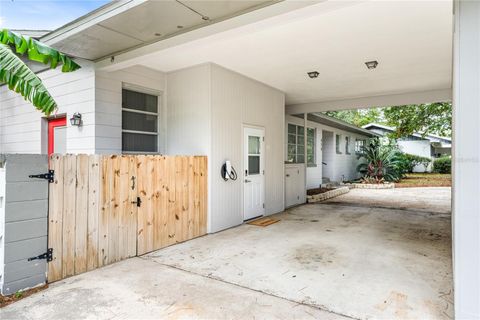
(188, 111)
(207, 107)
(23, 129)
(108, 104)
(238, 101)
(339, 166)
(417, 147)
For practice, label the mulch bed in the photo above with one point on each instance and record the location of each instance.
(311, 192)
(417, 180)
(6, 300)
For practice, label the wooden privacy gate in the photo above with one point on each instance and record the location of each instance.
(104, 209)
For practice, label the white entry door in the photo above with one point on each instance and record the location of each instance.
(254, 173)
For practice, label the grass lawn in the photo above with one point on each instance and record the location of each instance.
(425, 180)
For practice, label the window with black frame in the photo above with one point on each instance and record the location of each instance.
(140, 117)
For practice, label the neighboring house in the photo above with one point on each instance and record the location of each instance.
(429, 146)
(333, 150)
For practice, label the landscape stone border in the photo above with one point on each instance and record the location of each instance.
(327, 195)
(386, 185)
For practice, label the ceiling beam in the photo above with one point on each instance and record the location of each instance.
(417, 97)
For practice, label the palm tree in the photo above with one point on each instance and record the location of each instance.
(20, 78)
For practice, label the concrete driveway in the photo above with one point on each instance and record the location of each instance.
(324, 261)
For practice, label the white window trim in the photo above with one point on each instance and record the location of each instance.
(338, 143)
(314, 144)
(143, 90)
(348, 141)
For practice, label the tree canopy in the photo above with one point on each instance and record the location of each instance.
(428, 118)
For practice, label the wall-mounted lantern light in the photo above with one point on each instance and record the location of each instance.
(76, 119)
(371, 64)
(313, 74)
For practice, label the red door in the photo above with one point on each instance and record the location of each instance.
(57, 135)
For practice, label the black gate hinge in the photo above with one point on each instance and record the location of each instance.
(47, 176)
(47, 255)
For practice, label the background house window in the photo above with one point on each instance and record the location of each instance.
(359, 146)
(337, 143)
(347, 145)
(139, 122)
(296, 145)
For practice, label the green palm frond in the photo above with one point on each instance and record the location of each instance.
(37, 51)
(20, 78)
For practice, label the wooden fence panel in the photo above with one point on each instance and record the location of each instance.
(94, 219)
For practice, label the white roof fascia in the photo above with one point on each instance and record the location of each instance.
(90, 19)
(416, 134)
(344, 124)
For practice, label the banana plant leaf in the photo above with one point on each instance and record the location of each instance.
(18, 76)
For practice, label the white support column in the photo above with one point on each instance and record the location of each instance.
(466, 155)
(305, 115)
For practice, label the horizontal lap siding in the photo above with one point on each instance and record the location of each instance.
(22, 128)
(108, 101)
(26, 206)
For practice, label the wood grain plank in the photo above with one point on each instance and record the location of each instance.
(196, 196)
(191, 199)
(132, 208)
(156, 214)
(203, 195)
(55, 219)
(104, 211)
(94, 191)
(123, 206)
(113, 218)
(141, 211)
(81, 214)
(70, 179)
(171, 219)
(163, 203)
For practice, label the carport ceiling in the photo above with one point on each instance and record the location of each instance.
(144, 23)
(411, 40)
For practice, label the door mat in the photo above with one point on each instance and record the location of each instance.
(263, 222)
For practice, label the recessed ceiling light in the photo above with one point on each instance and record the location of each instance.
(313, 74)
(371, 64)
(205, 18)
(179, 27)
(157, 34)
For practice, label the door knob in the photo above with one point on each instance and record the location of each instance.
(246, 181)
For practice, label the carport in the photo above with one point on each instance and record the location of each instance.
(416, 48)
(354, 261)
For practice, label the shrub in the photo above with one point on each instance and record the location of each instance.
(381, 162)
(417, 160)
(442, 165)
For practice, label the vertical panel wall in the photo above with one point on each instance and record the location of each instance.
(238, 101)
(466, 160)
(207, 108)
(23, 128)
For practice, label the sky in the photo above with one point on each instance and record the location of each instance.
(42, 14)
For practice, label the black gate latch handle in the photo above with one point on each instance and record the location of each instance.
(47, 255)
(138, 202)
(47, 176)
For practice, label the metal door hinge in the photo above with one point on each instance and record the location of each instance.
(47, 176)
(47, 255)
(138, 202)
